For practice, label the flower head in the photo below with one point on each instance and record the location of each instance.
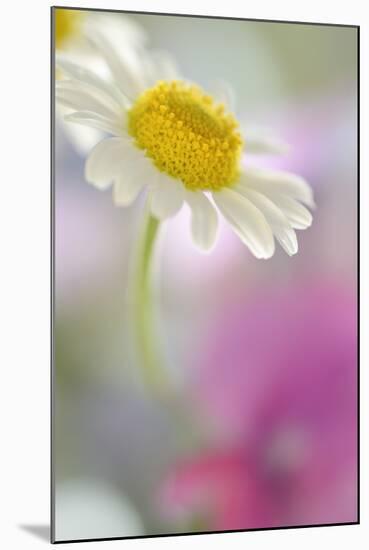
(187, 135)
(72, 27)
(67, 25)
(172, 138)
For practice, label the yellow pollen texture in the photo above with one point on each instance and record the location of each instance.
(67, 24)
(187, 135)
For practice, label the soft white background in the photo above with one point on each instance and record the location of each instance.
(24, 261)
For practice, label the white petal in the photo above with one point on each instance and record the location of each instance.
(93, 120)
(89, 77)
(82, 138)
(105, 161)
(166, 197)
(160, 65)
(261, 141)
(277, 220)
(247, 221)
(142, 169)
(272, 181)
(83, 97)
(223, 92)
(126, 189)
(125, 68)
(204, 220)
(287, 239)
(297, 214)
(116, 26)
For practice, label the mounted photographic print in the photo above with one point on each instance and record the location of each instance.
(205, 283)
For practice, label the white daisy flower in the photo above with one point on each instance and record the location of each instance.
(183, 146)
(71, 26)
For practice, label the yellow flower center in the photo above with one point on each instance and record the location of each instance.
(67, 24)
(187, 135)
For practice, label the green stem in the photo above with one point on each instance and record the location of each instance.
(147, 340)
(148, 343)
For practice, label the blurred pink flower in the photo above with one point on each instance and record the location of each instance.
(278, 382)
